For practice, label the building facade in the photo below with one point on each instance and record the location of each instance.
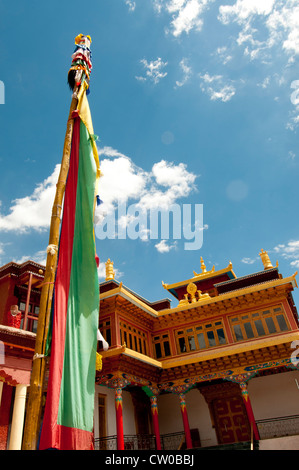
(20, 288)
(217, 369)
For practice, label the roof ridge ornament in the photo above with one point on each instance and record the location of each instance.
(265, 259)
(109, 270)
(193, 295)
(203, 269)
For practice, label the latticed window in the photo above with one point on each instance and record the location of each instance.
(162, 346)
(32, 316)
(134, 338)
(256, 324)
(201, 336)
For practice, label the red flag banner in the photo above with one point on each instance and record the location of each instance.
(68, 417)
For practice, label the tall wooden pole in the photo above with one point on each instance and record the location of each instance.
(34, 405)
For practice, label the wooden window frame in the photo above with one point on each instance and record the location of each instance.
(134, 338)
(208, 332)
(32, 316)
(161, 339)
(243, 320)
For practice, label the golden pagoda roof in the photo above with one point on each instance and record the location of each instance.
(197, 277)
(140, 305)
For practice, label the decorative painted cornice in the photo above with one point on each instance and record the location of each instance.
(202, 302)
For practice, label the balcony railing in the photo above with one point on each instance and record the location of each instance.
(278, 427)
(171, 441)
(268, 429)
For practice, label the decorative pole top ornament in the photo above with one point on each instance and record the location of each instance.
(109, 270)
(265, 259)
(81, 64)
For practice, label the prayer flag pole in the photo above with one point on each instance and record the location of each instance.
(78, 74)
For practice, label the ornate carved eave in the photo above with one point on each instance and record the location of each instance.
(220, 363)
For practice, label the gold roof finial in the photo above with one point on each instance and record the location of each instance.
(203, 266)
(265, 259)
(109, 270)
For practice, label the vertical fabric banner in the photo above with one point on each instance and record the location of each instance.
(69, 410)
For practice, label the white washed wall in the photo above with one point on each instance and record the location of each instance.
(170, 419)
(274, 395)
(128, 412)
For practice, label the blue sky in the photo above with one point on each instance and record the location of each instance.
(195, 102)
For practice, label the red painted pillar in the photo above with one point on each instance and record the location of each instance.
(185, 421)
(4, 414)
(154, 411)
(249, 410)
(119, 418)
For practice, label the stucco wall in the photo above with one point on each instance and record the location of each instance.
(128, 412)
(280, 443)
(170, 419)
(274, 395)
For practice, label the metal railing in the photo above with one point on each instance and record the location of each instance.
(278, 427)
(268, 429)
(171, 441)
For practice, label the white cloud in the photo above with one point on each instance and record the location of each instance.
(168, 174)
(283, 25)
(242, 10)
(143, 194)
(110, 152)
(280, 18)
(122, 181)
(264, 24)
(168, 182)
(153, 70)
(294, 98)
(186, 14)
(158, 5)
(265, 83)
(163, 247)
(130, 4)
(210, 78)
(289, 251)
(216, 87)
(294, 119)
(223, 54)
(34, 211)
(187, 71)
(224, 94)
(248, 260)
(39, 257)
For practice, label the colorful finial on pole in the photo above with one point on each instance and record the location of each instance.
(81, 64)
